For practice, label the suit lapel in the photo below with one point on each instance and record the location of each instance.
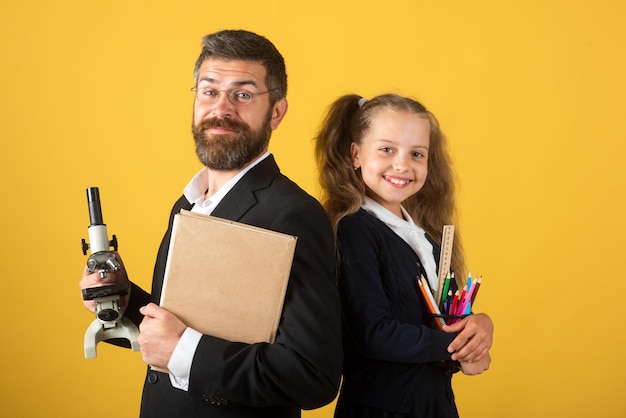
(241, 198)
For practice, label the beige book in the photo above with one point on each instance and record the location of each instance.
(227, 279)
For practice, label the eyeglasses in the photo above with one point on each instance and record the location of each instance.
(236, 97)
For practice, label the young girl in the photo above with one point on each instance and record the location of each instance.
(389, 189)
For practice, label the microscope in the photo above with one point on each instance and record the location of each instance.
(109, 322)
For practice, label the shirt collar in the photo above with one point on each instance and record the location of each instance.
(385, 215)
(197, 187)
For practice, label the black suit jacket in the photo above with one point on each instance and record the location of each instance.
(302, 369)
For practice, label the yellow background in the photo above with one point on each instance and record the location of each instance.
(531, 95)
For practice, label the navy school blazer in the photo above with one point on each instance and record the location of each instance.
(393, 352)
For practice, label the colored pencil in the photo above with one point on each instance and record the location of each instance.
(430, 301)
(478, 282)
(466, 305)
(447, 303)
(460, 303)
(455, 302)
(446, 286)
(429, 296)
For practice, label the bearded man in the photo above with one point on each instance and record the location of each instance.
(240, 98)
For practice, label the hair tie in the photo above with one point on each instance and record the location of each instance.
(362, 101)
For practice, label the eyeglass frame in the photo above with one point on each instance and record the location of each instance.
(229, 94)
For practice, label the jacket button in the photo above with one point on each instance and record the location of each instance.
(152, 378)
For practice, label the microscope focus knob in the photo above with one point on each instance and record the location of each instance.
(107, 315)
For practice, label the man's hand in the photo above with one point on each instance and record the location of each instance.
(94, 280)
(159, 333)
(474, 339)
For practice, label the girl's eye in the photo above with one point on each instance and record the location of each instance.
(386, 149)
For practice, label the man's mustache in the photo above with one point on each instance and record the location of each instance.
(223, 123)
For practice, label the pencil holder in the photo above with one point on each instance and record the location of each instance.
(441, 319)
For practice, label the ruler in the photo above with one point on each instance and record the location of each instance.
(447, 240)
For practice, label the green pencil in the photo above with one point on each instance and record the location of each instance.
(446, 286)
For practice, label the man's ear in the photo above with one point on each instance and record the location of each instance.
(278, 113)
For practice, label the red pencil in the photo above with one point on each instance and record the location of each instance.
(458, 306)
(455, 301)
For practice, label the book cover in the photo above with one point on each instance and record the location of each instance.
(227, 279)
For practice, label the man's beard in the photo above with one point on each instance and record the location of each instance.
(231, 151)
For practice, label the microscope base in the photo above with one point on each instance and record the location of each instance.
(97, 332)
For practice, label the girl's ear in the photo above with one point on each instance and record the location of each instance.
(354, 152)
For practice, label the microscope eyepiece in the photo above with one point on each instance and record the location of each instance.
(95, 210)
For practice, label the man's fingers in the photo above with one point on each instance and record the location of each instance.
(152, 310)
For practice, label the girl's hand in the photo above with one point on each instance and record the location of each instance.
(474, 339)
(476, 367)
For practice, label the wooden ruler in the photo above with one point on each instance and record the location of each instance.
(447, 240)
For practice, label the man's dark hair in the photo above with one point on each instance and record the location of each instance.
(246, 46)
